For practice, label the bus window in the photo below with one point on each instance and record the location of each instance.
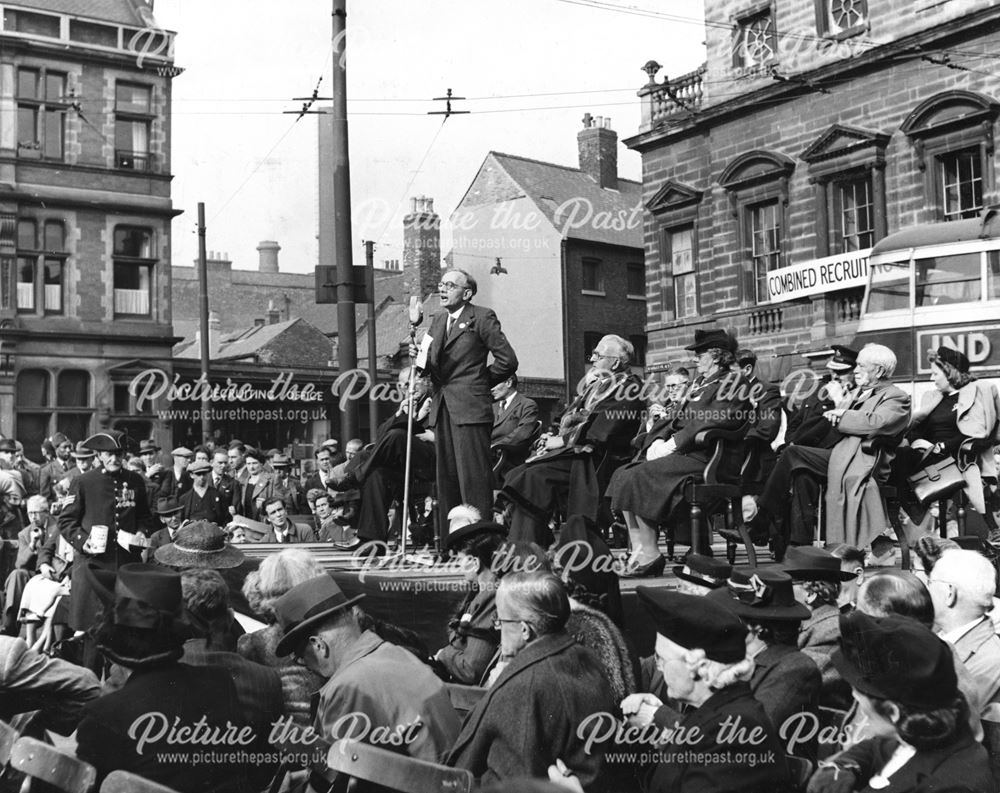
(890, 287)
(993, 275)
(943, 280)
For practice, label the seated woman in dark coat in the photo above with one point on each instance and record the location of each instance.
(959, 407)
(903, 678)
(472, 639)
(648, 493)
(785, 680)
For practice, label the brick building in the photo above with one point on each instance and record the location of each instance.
(85, 213)
(557, 252)
(814, 129)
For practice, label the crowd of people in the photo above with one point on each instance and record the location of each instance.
(131, 605)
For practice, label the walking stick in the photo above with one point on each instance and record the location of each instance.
(416, 317)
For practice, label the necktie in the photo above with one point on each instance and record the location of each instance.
(451, 323)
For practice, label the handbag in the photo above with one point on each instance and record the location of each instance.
(936, 481)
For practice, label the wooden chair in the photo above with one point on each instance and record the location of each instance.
(716, 496)
(464, 698)
(396, 771)
(47, 764)
(127, 782)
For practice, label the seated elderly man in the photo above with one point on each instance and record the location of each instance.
(962, 585)
(374, 683)
(531, 716)
(854, 512)
(594, 436)
(649, 492)
(31, 539)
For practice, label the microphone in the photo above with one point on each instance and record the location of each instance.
(416, 311)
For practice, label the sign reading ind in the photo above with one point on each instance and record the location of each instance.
(843, 271)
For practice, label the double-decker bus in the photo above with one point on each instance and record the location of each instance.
(936, 285)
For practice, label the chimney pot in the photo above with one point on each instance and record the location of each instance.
(598, 149)
(268, 252)
(413, 206)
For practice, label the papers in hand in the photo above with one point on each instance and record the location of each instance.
(127, 540)
(425, 348)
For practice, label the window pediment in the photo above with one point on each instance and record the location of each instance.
(947, 110)
(756, 167)
(840, 141)
(673, 195)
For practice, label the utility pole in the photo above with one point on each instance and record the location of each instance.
(347, 346)
(206, 422)
(372, 351)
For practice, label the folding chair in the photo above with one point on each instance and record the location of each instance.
(396, 771)
(47, 764)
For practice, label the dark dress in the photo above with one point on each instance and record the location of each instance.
(938, 426)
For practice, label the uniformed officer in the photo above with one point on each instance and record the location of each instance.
(113, 497)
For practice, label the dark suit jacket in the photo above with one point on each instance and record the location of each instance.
(227, 489)
(177, 691)
(530, 716)
(727, 774)
(786, 681)
(517, 424)
(49, 474)
(211, 508)
(458, 368)
(961, 767)
(765, 398)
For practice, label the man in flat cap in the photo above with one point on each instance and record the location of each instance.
(365, 675)
(202, 501)
(107, 522)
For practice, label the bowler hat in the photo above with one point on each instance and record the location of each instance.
(107, 441)
(896, 658)
(704, 571)
(307, 606)
(148, 447)
(952, 357)
(200, 544)
(757, 595)
(716, 337)
(696, 622)
(808, 563)
(199, 467)
(472, 530)
(167, 506)
(844, 359)
(81, 452)
(8, 445)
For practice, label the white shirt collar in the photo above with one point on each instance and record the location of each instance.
(456, 313)
(955, 634)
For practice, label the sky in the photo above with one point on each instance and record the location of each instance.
(529, 70)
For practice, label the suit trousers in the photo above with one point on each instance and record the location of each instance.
(464, 470)
(774, 501)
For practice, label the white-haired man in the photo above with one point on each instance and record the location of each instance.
(854, 512)
(962, 585)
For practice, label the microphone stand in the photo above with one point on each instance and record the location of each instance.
(405, 525)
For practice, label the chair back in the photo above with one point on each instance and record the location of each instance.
(727, 446)
(46, 763)
(127, 782)
(464, 698)
(396, 771)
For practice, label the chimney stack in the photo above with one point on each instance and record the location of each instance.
(273, 315)
(268, 251)
(598, 145)
(421, 248)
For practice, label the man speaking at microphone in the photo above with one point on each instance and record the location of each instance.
(456, 348)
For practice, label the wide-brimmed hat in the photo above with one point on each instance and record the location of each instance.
(844, 359)
(199, 467)
(756, 595)
(471, 530)
(144, 597)
(167, 506)
(704, 571)
(896, 658)
(148, 447)
(108, 441)
(808, 563)
(306, 606)
(696, 622)
(200, 544)
(715, 337)
(81, 452)
(952, 357)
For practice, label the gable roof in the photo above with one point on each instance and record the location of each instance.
(561, 193)
(124, 12)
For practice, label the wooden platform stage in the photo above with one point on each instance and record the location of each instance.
(413, 592)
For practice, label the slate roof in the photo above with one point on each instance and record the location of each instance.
(550, 186)
(118, 11)
(242, 344)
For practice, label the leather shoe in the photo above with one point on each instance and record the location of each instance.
(649, 570)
